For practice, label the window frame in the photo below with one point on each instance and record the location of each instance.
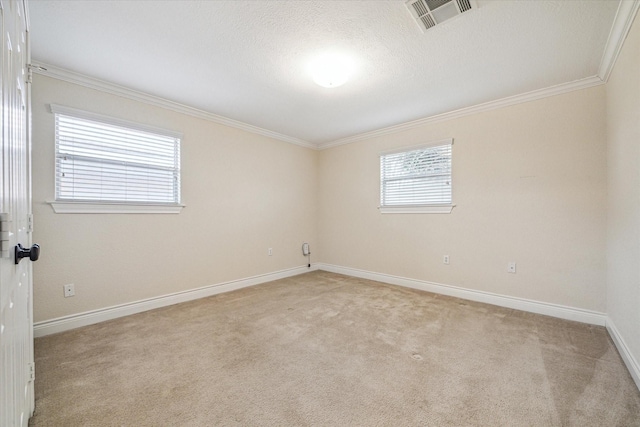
(108, 206)
(433, 208)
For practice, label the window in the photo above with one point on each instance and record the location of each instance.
(417, 180)
(105, 161)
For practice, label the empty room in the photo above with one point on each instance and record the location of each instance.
(320, 213)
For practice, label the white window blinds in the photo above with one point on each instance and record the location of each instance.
(418, 177)
(98, 161)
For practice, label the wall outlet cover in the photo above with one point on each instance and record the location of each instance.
(69, 290)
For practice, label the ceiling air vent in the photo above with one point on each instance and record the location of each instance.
(429, 13)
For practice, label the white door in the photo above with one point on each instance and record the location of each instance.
(16, 320)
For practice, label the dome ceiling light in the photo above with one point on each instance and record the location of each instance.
(331, 70)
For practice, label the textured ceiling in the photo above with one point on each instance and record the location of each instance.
(247, 60)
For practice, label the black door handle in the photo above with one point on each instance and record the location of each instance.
(33, 253)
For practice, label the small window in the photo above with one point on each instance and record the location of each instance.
(104, 160)
(417, 180)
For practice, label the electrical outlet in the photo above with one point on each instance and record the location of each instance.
(69, 290)
(445, 259)
(511, 267)
(270, 251)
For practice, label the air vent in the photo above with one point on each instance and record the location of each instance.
(429, 13)
(463, 5)
(427, 20)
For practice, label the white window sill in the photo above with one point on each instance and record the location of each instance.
(435, 209)
(117, 208)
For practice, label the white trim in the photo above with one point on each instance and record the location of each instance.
(114, 89)
(73, 321)
(625, 15)
(487, 106)
(104, 86)
(446, 141)
(632, 364)
(82, 114)
(434, 209)
(113, 208)
(548, 309)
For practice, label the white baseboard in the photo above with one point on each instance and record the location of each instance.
(73, 321)
(66, 323)
(554, 310)
(625, 353)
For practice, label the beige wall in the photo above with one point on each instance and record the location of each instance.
(243, 192)
(623, 238)
(529, 182)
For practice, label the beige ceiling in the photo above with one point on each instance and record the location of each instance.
(247, 60)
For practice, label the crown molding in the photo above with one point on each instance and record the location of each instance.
(487, 106)
(114, 89)
(125, 92)
(627, 11)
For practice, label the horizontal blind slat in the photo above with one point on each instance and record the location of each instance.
(71, 122)
(74, 161)
(73, 140)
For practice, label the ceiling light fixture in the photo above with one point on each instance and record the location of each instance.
(331, 70)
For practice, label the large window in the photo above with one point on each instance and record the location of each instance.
(101, 160)
(417, 180)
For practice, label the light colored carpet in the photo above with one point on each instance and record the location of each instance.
(323, 349)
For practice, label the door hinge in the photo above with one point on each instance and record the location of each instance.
(5, 234)
(31, 371)
(29, 223)
(30, 68)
